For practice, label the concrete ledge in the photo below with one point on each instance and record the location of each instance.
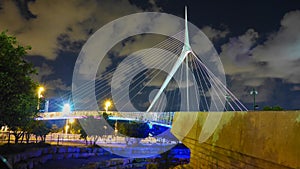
(260, 139)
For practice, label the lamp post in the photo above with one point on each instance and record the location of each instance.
(254, 93)
(66, 128)
(107, 105)
(228, 99)
(40, 90)
(66, 111)
(105, 128)
(71, 121)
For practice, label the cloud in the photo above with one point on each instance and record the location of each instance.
(236, 54)
(214, 34)
(43, 71)
(250, 63)
(277, 57)
(136, 43)
(281, 52)
(56, 86)
(76, 19)
(296, 88)
(52, 86)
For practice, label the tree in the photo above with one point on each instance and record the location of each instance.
(83, 135)
(93, 128)
(40, 129)
(267, 108)
(274, 108)
(105, 116)
(28, 130)
(77, 129)
(138, 130)
(18, 100)
(277, 108)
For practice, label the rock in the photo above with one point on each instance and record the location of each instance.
(62, 150)
(58, 156)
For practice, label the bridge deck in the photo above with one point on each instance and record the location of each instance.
(155, 118)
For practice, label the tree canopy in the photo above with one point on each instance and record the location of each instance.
(18, 99)
(274, 108)
(134, 129)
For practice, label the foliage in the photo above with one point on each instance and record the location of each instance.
(134, 129)
(83, 135)
(94, 128)
(18, 100)
(274, 108)
(40, 129)
(105, 116)
(28, 129)
(77, 129)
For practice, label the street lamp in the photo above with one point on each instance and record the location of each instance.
(254, 93)
(107, 105)
(105, 128)
(66, 109)
(40, 90)
(71, 121)
(228, 99)
(66, 128)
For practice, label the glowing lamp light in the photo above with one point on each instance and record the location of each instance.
(71, 121)
(150, 125)
(107, 105)
(66, 108)
(40, 90)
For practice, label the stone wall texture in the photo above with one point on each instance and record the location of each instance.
(39, 156)
(257, 139)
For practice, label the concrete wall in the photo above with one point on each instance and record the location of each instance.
(258, 139)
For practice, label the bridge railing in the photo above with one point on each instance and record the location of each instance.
(159, 117)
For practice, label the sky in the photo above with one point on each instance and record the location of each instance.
(258, 41)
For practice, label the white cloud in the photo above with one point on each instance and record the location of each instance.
(251, 65)
(277, 57)
(281, 51)
(214, 34)
(73, 18)
(236, 54)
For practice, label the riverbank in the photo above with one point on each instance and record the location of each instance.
(45, 156)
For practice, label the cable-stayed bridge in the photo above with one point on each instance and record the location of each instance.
(173, 76)
(167, 77)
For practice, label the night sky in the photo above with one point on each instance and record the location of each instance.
(258, 41)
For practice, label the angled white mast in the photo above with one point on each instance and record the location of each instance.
(187, 46)
(184, 53)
